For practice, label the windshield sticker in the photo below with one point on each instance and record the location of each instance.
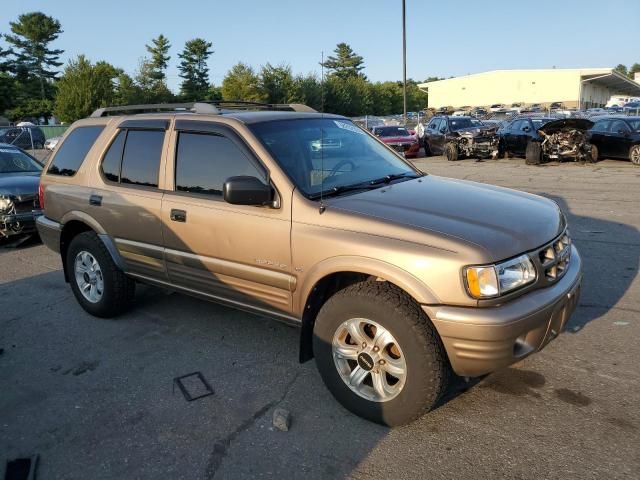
(349, 126)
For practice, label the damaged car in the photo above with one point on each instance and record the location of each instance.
(19, 180)
(562, 139)
(458, 137)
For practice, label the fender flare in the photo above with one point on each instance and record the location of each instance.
(412, 285)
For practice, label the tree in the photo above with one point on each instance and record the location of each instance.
(277, 83)
(621, 69)
(308, 91)
(635, 68)
(242, 83)
(151, 77)
(126, 91)
(84, 87)
(194, 70)
(345, 63)
(159, 50)
(31, 36)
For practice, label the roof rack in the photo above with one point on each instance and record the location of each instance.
(196, 107)
(208, 108)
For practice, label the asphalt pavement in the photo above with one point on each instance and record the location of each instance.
(96, 398)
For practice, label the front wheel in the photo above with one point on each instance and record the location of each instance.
(533, 154)
(451, 152)
(634, 154)
(379, 354)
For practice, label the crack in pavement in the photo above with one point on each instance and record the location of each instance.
(221, 447)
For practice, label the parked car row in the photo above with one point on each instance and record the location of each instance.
(538, 139)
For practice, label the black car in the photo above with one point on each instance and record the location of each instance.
(457, 137)
(617, 137)
(19, 181)
(516, 135)
(22, 137)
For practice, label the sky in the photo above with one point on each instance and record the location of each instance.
(444, 38)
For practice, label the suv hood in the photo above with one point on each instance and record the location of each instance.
(503, 222)
(574, 123)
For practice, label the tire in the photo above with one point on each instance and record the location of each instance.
(592, 154)
(533, 154)
(634, 154)
(427, 150)
(451, 152)
(114, 291)
(426, 365)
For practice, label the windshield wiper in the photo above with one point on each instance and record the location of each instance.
(367, 185)
(395, 176)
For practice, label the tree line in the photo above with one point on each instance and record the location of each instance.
(33, 86)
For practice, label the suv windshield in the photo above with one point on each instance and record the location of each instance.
(459, 123)
(335, 150)
(391, 132)
(13, 160)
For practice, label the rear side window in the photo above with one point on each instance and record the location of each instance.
(134, 158)
(205, 161)
(71, 153)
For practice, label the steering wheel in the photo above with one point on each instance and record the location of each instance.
(340, 164)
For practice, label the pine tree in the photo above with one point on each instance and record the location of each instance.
(30, 39)
(159, 51)
(194, 70)
(345, 63)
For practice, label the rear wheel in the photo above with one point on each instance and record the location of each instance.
(634, 154)
(592, 154)
(100, 287)
(379, 354)
(451, 152)
(533, 154)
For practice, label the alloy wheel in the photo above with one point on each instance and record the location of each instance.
(88, 275)
(369, 359)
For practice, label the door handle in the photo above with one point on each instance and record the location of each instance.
(95, 200)
(178, 215)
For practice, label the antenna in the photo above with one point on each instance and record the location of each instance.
(322, 207)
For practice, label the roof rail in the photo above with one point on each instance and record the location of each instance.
(210, 108)
(243, 105)
(196, 107)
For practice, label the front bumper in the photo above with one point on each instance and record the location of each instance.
(481, 340)
(49, 232)
(18, 223)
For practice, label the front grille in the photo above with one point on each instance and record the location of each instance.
(555, 257)
(400, 147)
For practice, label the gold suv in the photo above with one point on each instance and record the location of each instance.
(397, 278)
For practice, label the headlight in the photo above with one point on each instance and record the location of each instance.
(493, 280)
(5, 204)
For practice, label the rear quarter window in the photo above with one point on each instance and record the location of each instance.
(71, 153)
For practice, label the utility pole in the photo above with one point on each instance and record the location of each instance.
(404, 60)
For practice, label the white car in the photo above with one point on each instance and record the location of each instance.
(52, 143)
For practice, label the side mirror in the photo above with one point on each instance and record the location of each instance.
(245, 190)
(622, 131)
(443, 129)
(526, 128)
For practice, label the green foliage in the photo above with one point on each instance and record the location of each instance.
(84, 87)
(32, 108)
(242, 83)
(307, 90)
(31, 56)
(277, 83)
(346, 63)
(194, 70)
(8, 89)
(159, 50)
(635, 68)
(620, 68)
